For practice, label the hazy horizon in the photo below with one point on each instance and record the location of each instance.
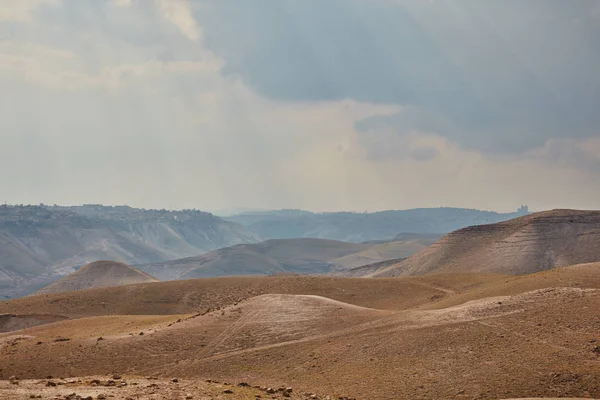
(325, 105)
(226, 212)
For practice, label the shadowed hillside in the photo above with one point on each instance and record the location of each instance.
(299, 256)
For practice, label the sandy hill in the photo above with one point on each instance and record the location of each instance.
(200, 295)
(40, 244)
(300, 256)
(99, 274)
(401, 338)
(523, 245)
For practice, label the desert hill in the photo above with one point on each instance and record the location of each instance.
(300, 256)
(39, 244)
(99, 274)
(403, 338)
(363, 227)
(528, 244)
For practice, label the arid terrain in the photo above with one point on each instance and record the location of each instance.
(461, 336)
(456, 331)
(135, 387)
(524, 245)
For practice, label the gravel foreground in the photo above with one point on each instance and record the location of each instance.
(135, 388)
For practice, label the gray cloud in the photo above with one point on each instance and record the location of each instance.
(498, 76)
(324, 105)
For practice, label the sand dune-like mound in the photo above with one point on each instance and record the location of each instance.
(524, 245)
(99, 274)
(199, 295)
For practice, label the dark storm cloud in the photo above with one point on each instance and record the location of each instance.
(498, 76)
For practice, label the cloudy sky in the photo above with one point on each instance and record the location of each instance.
(314, 104)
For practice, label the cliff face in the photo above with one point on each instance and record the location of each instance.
(523, 245)
(39, 245)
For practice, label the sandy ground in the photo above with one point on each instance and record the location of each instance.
(436, 337)
(134, 388)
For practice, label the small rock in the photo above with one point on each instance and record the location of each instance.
(50, 384)
(189, 397)
(116, 377)
(101, 397)
(175, 380)
(228, 391)
(270, 390)
(243, 384)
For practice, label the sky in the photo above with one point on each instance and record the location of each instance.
(324, 105)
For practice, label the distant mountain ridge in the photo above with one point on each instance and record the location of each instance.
(364, 227)
(40, 244)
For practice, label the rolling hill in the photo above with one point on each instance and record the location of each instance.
(99, 274)
(524, 245)
(40, 244)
